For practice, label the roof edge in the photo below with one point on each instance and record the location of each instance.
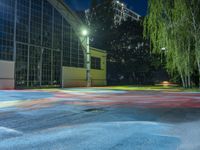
(99, 50)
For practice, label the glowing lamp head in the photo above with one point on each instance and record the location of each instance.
(85, 32)
(163, 49)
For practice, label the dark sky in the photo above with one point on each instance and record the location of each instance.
(139, 6)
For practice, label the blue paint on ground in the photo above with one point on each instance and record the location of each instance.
(64, 125)
(98, 136)
(23, 95)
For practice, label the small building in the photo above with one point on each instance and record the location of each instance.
(41, 46)
(77, 76)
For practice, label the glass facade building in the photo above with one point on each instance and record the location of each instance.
(35, 36)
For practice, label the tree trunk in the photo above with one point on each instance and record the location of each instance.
(182, 79)
(198, 64)
(186, 82)
(189, 81)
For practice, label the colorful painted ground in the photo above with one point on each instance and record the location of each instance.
(109, 118)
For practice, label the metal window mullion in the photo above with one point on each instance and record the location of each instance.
(28, 60)
(41, 41)
(42, 22)
(62, 49)
(41, 54)
(14, 40)
(32, 45)
(52, 46)
(29, 41)
(15, 28)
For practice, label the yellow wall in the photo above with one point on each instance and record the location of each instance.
(99, 76)
(76, 77)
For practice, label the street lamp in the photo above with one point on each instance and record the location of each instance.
(163, 49)
(85, 33)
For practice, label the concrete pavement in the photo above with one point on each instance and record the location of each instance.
(98, 119)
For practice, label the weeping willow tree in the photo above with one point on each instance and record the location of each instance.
(194, 20)
(168, 25)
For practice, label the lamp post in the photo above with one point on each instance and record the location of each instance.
(163, 49)
(88, 59)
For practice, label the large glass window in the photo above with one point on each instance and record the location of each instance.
(21, 65)
(47, 24)
(57, 35)
(44, 40)
(56, 67)
(80, 55)
(36, 15)
(74, 50)
(35, 65)
(66, 43)
(22, 21)
(7, 8)
(46, 66)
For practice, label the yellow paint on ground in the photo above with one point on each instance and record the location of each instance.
(9, 104)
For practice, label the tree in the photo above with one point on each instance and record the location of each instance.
(194, 20)
(168, 24)
(101, 22)
(130, 59)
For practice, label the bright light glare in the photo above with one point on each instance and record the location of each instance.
(163, 49)
(165, 83)
(84, 32)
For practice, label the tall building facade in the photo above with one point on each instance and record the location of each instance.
(39, 42)
(122, 13)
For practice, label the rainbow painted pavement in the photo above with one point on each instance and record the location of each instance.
(98, 119)
(97, 97)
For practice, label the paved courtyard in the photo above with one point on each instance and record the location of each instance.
(99, 119)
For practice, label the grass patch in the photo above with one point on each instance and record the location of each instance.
(153, 88)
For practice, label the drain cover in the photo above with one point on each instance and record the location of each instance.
(94, 110)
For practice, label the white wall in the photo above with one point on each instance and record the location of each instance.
(7, 75)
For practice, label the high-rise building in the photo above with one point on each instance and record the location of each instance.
(41, 46)
(122, 12)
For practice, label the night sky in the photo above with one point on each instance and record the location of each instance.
(139, 6)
